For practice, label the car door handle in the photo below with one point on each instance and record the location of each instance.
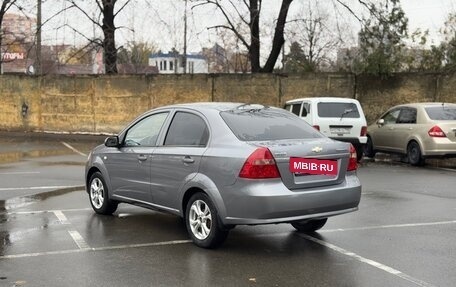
(188, 159)
(142, 157)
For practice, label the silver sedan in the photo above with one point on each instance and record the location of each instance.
(219, 165)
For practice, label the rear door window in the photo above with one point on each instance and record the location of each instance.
(338, 110)
(441, 113)
(267, 124)
(187, 129)
(296, 109)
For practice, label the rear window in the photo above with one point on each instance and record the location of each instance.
(441, 113)
(267, 124)
(338, 110)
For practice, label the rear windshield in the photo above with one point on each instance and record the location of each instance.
(338, 110)
(267, 124)
(441, 113)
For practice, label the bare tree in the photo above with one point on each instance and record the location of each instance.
(317, 36)
(247, 14)
(104, 19)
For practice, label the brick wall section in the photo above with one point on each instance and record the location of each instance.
(104, 104)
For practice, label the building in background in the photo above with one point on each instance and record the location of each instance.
(18, 38)
(171, 63)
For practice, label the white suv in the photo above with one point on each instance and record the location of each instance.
(338, 118)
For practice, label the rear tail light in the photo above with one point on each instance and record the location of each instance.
(363, 131)
(352, 162)
(317, 127)
(260, 164)
(436, 132)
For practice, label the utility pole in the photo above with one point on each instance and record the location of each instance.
(38, 40)
(184, 58)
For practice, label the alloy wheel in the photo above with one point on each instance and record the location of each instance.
(97, 193)
(200, 219)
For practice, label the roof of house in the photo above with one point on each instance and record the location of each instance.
(172, 55)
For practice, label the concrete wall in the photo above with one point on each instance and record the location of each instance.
(104, 104)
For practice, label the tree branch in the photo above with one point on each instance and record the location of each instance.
(85, 13)
(121, 8)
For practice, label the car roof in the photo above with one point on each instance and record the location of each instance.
(323, 99)
(425, 104)
(217, 106)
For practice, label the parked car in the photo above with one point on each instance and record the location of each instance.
(419, 131)
(219, 165)
(338, 118)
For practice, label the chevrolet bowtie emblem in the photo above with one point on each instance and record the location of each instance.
(317, 149)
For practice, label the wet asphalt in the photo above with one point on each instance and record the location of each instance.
(403, 235)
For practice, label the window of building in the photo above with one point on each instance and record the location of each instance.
(161, 65)
(171, 65)
(164, 65)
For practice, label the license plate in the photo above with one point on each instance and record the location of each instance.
(340, 130)
(313, 166)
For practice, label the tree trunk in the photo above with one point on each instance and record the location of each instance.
(109, 43)
(254, 51)
(278, 40)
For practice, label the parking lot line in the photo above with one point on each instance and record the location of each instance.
(19, 172)
(73, 149)
(62, 218)
(47, 211)
(77, 238)
(106, 248)
(390, 226)
(39, 187)
(373, 263)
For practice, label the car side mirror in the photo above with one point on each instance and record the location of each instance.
(381, 122)
(112, 141)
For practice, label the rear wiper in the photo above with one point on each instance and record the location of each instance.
(347, 111)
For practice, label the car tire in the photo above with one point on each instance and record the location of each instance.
(203, 223)
(99, 195)
(369, 148)
(414, 154)
(359, 152)
(309, 225)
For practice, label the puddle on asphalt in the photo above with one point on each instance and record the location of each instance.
(18, 202)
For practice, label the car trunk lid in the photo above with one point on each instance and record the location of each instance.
(304, 150)
(449, 128)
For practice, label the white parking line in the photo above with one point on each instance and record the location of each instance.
(47, 211)
(389, 226)
(73, 149)
(373, 263)
(78, 239)
(116, 247)
(39, 187)
(19, 172)
(62, 218)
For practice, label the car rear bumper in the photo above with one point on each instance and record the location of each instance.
(354, 141)
(439, 147)
(273, 202)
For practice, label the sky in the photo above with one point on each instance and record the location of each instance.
(160, 22)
